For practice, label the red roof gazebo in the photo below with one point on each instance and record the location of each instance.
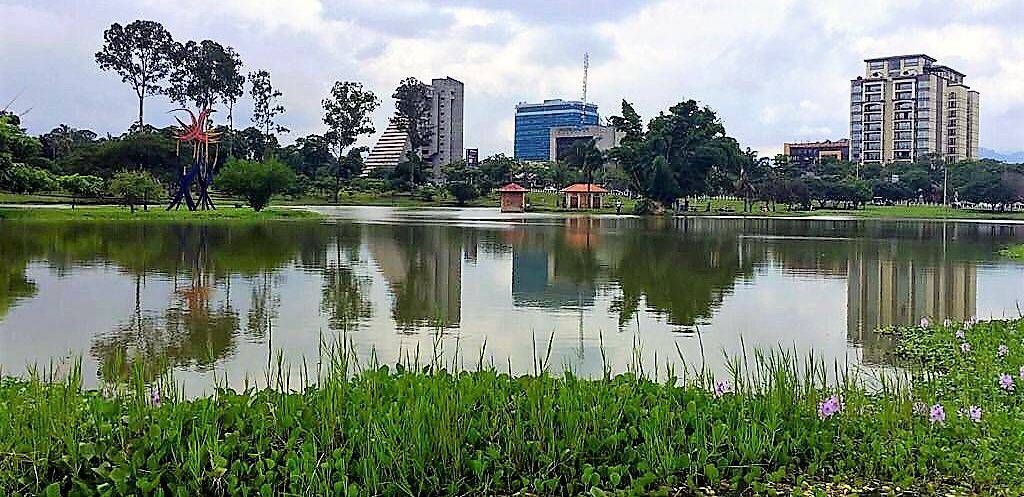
(583, 196)
(513, 198)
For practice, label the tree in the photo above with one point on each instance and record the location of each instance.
(347, 116)
(255, 181)
(308, 154)
(141, 54)
(152, 152)
(135, 187)
(495, 171)
(460, 180)
(265, 105)
(412, 108)
(585, 157)
(81, 186)
(23, 178)
(60, 141)
(205, 73)
(690, 142)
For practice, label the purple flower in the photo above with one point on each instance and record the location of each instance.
(937, 414)
(925, 322)
(830, 407)
(975, 413)
(1003, 350)
(722, 388)
(154, 396)
(960, 334)
(1006, 382)
(965, 347)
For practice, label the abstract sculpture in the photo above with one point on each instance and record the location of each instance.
(200, 173)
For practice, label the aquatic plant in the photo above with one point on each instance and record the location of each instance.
(358, 427)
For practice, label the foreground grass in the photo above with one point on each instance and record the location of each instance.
(1015, 252)
(414, 430)
(155, 213)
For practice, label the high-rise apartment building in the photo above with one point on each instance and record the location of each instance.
(906, 107)
(445, 122)
(534, 123)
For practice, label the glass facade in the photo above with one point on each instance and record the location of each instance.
(534, 123)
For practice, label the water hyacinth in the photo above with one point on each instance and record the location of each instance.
(965, 347)
(937, 414)
(925, 322)
(723, 387)
(830, 407)
(975, 413)
(154, 396)
(960, 335)
(1003, 350)
(1006, 382)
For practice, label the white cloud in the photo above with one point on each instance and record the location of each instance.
(775, 70)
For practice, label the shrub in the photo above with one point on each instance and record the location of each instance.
(135, 187)
(255, 181)
(81, 186)
(22, 178)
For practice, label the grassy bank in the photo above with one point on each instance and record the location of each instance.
(772, 426)
(1016, 252)
(155, 213)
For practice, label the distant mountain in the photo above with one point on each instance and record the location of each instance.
(1008, 157)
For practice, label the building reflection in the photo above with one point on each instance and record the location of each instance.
(885, 290)
(423, 269)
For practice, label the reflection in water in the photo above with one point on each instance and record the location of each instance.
(195, 298)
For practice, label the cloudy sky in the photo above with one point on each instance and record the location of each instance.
(775, 70)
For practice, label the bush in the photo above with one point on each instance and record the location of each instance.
(463, 192)
(81, 186)
(22, 178)
(135, 187)
(255, 181)
(369, 185)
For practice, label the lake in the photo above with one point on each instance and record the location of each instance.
(225, 300)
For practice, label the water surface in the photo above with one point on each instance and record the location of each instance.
(220, 299)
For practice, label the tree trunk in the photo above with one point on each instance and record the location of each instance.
(140, 112)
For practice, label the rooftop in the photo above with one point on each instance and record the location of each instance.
(512, 188)
(907, 56)
(583, 188)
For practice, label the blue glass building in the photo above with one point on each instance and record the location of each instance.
(534, 123)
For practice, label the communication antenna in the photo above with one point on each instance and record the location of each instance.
(586, 69)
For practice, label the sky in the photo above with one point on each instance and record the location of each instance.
(774, 70)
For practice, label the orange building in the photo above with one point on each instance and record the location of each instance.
(583, 196)
(513, 198)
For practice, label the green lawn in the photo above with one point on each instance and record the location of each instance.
(155, 213)
(771, 425)
(1016, 252)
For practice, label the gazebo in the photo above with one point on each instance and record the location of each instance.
(583, 196)
(513, 198)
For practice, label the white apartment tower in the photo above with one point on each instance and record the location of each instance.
(907, 107)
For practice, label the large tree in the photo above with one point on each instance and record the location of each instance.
(205, 73)
(63, 139)
(265, 103)
(347, 115)
(678, 154)
(141, 53)
(412, 108)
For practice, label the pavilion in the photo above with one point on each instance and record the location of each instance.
(583, 196)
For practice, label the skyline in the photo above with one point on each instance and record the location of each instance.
(752, 65)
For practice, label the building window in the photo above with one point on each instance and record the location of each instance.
(873, 117)
(904, 85)
(873, 127)
(872, 137)
(872, 107)
(872, 146)
(876, 65)
(903, 135)
(874, 97)
(904, 95)
(904, 106)
(901, 125)
(902, 115)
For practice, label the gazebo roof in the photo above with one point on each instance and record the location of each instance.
(583, 188)
(512, 188)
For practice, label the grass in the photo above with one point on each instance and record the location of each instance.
(155, 213)
(1014, 252)
(420, 428)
